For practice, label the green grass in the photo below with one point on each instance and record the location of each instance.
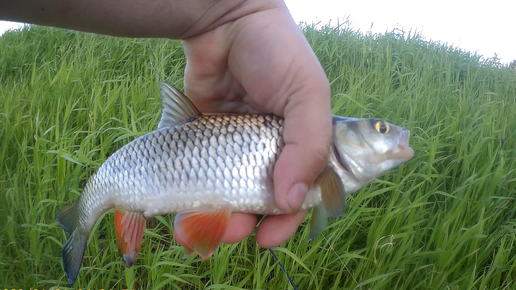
(444, 220)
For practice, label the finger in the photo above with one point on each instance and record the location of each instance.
(307, 129)
(240, 226)
(275, 230)
(307, 137)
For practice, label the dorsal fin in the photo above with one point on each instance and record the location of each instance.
(177, 108)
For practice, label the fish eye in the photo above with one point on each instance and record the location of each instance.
(382, 127)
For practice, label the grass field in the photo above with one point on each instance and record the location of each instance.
(444, 220)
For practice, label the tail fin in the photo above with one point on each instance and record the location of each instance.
(73, 250)
(68, 217)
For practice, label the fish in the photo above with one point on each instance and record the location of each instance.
(205, 167)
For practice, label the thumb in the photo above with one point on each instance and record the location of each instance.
(307, 136)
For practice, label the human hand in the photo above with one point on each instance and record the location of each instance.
(261, 62)
(243, 56)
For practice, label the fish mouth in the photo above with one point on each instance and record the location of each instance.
(404, 151)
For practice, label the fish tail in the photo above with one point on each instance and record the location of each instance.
(68, 217)
(73, 250)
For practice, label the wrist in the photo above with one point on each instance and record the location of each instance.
(227, 11)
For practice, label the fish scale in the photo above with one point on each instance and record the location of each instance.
(231, 155)
(205, 167)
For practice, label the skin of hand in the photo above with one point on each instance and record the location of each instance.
(242, 56)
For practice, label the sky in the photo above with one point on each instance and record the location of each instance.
(485, 27)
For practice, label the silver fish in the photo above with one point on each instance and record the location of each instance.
(205, 167)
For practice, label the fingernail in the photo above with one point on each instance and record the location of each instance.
(296, 196)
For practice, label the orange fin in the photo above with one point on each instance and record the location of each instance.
(129, 232)
(202, 229)
(188, 252)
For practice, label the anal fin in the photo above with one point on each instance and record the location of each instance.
(202, 229)
(129, 233)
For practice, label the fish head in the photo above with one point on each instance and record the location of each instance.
(368, 148)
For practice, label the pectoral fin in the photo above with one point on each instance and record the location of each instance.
(129, 232)
(332, 192)
(202, 229)
(318, 222)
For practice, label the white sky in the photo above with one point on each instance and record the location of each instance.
(4, 25)
(483, 26)
(487, 27)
